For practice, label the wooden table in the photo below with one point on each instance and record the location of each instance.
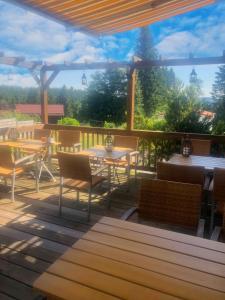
(26, 145)
(208, 162)
(100, 152)
(123, 260)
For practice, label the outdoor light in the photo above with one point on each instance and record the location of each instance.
(109, 143)
(84, 79)
(186, 147)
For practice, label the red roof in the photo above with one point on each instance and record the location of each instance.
(35, 109)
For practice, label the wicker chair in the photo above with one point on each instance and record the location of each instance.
(217, 189)
(75, 173)
(10, 168)
(218, 233)
(69, 140)
(201, 147)
(172, 203)
(185, 174)
(130, 142)
(40, 134)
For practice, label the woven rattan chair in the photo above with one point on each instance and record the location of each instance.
(131, 160)
(10, 168)
(41, 134)
(75, 173)
(172, 203)
(180, 173)
(69, 140)
(201, 147)
(217, 189)
(218, 233)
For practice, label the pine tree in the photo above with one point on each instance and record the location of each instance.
(153, 82)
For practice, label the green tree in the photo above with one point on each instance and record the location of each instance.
(107, 97)
(218, 95)
(183, 113)
(153, 82)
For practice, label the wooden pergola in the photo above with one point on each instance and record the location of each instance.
(99, 18)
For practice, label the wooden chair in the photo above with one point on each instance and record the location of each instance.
(69, 140)
(218, 233)
(75, 173)
(217, 189)
(40, 134)
(201, 147)
(180, 173)
(10, 168)
(169, 202)
(130, 142)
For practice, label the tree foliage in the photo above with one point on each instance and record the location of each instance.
(153, 83)
(218, 94)
(107, 97)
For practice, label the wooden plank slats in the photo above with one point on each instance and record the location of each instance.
(106, 16)
(127, 263)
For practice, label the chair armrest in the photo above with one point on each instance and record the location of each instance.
(207, 183)
(128, 213)
(77, 145)
(99, 170)
(201, 228)
(211, 186)
(216, 233)
(133, 153)
(24, 159)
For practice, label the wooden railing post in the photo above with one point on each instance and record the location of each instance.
(131, 99)
(44, 97)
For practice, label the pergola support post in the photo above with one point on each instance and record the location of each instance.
(131, 99)
(44, 97)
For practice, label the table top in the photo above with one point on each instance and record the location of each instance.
(100, 152)
(208, 162)
(30, 145)
(123, 260)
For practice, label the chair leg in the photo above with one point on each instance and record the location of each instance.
(36, 176)
(89, 204)
(60, 195)
(13, 187)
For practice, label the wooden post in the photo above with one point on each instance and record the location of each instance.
(44, 97)
(131, 99)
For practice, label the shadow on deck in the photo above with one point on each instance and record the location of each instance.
(33, 236)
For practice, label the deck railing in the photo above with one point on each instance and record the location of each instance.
(153, 145)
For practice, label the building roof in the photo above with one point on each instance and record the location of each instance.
(110, 16)
(35, 109)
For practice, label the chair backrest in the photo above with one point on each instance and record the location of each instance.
(41, 133)
(74, 166)
(68, 138)
(6, 157)
(179, 173)
(201, 147)
(126, 141)
(219, 188)
(170, 202)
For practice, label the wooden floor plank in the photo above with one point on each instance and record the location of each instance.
(40, 228)
(159, 242)
(5, 297)
(16, 289)
(23, 260)
(159, 253)
(143, 277)
(155, 265)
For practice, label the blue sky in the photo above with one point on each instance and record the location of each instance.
(22, 33)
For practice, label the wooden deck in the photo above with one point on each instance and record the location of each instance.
(33, 236)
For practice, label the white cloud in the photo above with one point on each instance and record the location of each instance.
(17, 80)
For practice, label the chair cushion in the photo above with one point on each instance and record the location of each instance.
(8, 172)
(83, 185)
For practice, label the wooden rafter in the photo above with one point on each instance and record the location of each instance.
(110, 16)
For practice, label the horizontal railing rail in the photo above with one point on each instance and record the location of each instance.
(153, 145)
